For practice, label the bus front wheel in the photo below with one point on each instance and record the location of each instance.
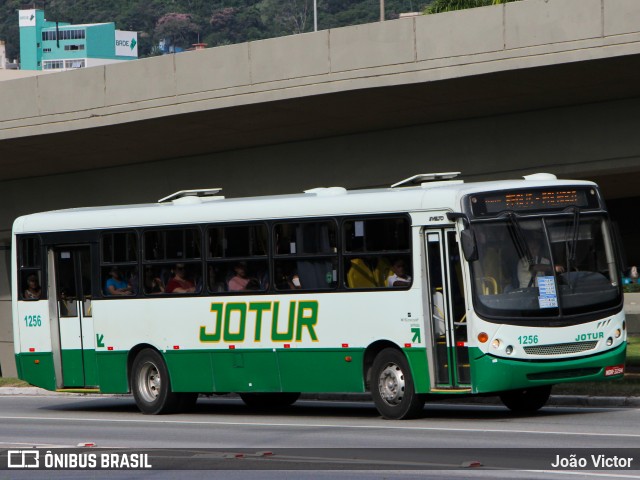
(392, 386)
(151, 385)
(526, 400)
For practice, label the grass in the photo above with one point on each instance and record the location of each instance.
(12, 382)
(633, 352)
(629, 386)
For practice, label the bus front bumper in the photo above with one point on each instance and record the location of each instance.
(496, 374)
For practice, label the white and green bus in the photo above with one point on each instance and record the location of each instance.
(430, 287)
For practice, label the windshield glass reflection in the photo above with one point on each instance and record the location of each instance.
(535, 267)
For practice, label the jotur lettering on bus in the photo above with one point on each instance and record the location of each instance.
(230, 322)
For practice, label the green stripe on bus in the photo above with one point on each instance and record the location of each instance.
(289, 370)
(90, 368)
(258, 370)
(112, 371)
(37, 369)
(419, 368)
(72, 368)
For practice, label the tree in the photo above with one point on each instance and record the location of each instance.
(178, 28)
(294, 15)
(439, 6)
(235, 25)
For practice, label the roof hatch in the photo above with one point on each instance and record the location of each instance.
(193, 196)
(424, 178)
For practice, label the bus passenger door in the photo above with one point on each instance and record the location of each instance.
(72, 294)
(447, 310)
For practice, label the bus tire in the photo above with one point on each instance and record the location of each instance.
(392, 386)
(151, 385)
(272, 400)
(528, 400)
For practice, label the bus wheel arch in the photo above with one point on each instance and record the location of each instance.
(370, 355)
(150, 382)
(392, 386)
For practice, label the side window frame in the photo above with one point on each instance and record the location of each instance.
(218, 272)
(25, 270)
(132, 266)
(284, 281)
(160, 270)
(373, 267)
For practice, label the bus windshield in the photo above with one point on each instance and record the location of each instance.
(561, 265)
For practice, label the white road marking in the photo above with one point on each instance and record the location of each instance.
(315, 425)
(584, 474)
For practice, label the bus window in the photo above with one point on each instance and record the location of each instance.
(172, 261)
(30, 266)
(237, 258)
(377, 253)
(306, 256)
(119, 264)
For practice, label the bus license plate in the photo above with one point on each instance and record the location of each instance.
(614, 370)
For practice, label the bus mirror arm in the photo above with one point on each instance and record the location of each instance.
(454, 216)
(467, 236)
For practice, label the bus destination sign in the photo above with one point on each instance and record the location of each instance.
(542, 200)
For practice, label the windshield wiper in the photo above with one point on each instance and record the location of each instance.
(574, 236)
(518, 236)
(573, 247)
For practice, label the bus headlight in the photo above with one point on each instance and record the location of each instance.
(618, 332)
(509, 350)
(609, 341)
(496, 343)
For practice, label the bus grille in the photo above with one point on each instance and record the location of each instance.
(560, 348)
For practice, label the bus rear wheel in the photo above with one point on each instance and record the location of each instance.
(392, 386)
(151, 385)
(269, 400)
(527, 400)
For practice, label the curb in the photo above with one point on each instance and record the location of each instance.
(554, 400)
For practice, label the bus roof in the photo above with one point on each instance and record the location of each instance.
(443, 195)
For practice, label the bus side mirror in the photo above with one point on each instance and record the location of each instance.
(469, 245)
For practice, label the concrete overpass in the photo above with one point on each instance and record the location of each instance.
(537, 85)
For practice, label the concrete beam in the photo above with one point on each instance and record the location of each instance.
(420, 51)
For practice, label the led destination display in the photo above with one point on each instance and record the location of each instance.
(533, 200)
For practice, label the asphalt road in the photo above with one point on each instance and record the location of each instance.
(346, 435)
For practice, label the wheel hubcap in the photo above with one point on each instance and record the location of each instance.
(391, 384)
(149, 382)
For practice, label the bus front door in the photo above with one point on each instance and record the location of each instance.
(72, 296)
(449, 357)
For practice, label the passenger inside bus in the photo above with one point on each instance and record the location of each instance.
(67, 303)
(241, 281)
(33, 290)
(286, 277)
(152, 284)
(116, 285)
(180, 283)
(398, 277)
(541, 265)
